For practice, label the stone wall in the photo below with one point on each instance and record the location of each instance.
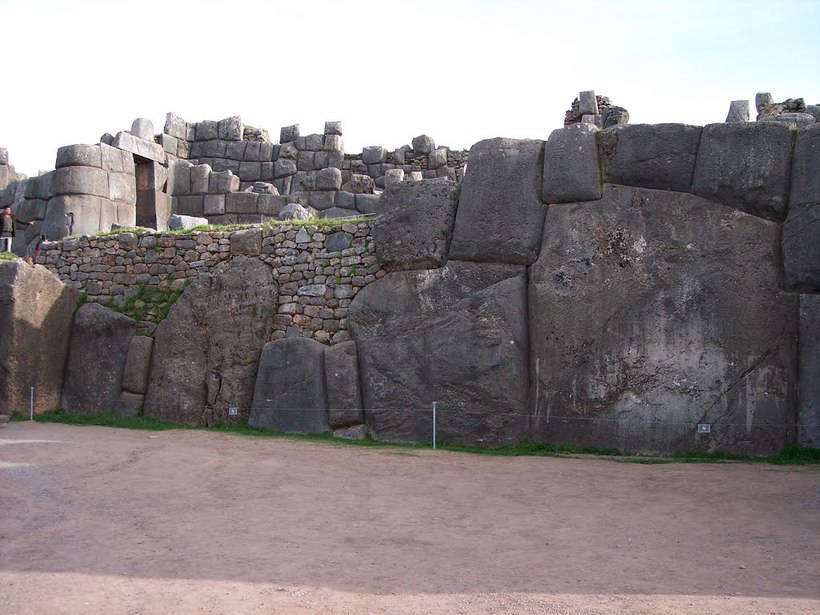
(319, 270)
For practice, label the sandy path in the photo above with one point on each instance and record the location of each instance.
(100, 520)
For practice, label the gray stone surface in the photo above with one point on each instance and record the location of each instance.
(437, 158)
(72, 215)
(222, 182)
(329, 179)
(456, 335)
(658, 156)
(738, 111)
(36, 310)
(80, 180)
(683, 323)
(177, 222)
(230, 129)
(143, 128)
(206, 350)
(175, 126)
(374, 154)
(213, 204)
(805, 179)
(100, 338)
(808, 392)
(293, 211)
(368, 203)
(289, 133)
(338, 241)
(200, 178)
(587, 103)
(393, 177)
(344, 400)
(137, 363)
(246, 242)
(792, 120)
(284, 167)
(423, 144)
(289, 394)
(338, 212)
(801, 247)
(129, 404)
(360, 184)
(345, 199)
(747, 166)
(207, 130)
(122, 187)
(415, 226)
(78, 156)
(142, 147)
(500, 214)
(179, 178)
(333, 128)
(571, 168)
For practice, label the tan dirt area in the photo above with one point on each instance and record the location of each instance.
(102, 520)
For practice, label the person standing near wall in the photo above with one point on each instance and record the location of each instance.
(7, 229)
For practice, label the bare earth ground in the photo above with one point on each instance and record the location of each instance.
(101, 520)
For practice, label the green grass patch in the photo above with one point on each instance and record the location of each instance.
(136, 230)
(790, 455)
(8, 256)
(148, 303)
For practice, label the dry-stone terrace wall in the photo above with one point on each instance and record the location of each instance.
(318, 269)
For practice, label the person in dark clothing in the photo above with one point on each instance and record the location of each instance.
(7, 224)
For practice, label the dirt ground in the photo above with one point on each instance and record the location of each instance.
(101, 520)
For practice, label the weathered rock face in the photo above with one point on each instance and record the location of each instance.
(808, 395)
(36, 311)
(137, 363)
(344, 399)
(413, 232)
(289, 394)
(206, 350)
(100, 338)
(653, 311)
(801, 230)
(745, 165)
(500, 214)
(658, 156)
(456, 335)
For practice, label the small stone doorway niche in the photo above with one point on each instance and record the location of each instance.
(153, 202)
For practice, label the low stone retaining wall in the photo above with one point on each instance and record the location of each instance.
(319, 269)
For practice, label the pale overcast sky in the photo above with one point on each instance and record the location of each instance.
(460, 71)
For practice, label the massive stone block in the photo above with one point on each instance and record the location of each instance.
(141, 147)
(801, 247)
(747, 166)
(289, 394)
(137, 363)
(77, 214)
(500, 214)
(344, 399)
(100, 338)
(651, 312)
(80, 180)
(122, 187)
(571, 168)
(413, 231)
(801, 230)
(206, 350)
(805, 180)
(808, 394)
(79, 156)
(36, 309)
(455, 335)
(658, 156)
